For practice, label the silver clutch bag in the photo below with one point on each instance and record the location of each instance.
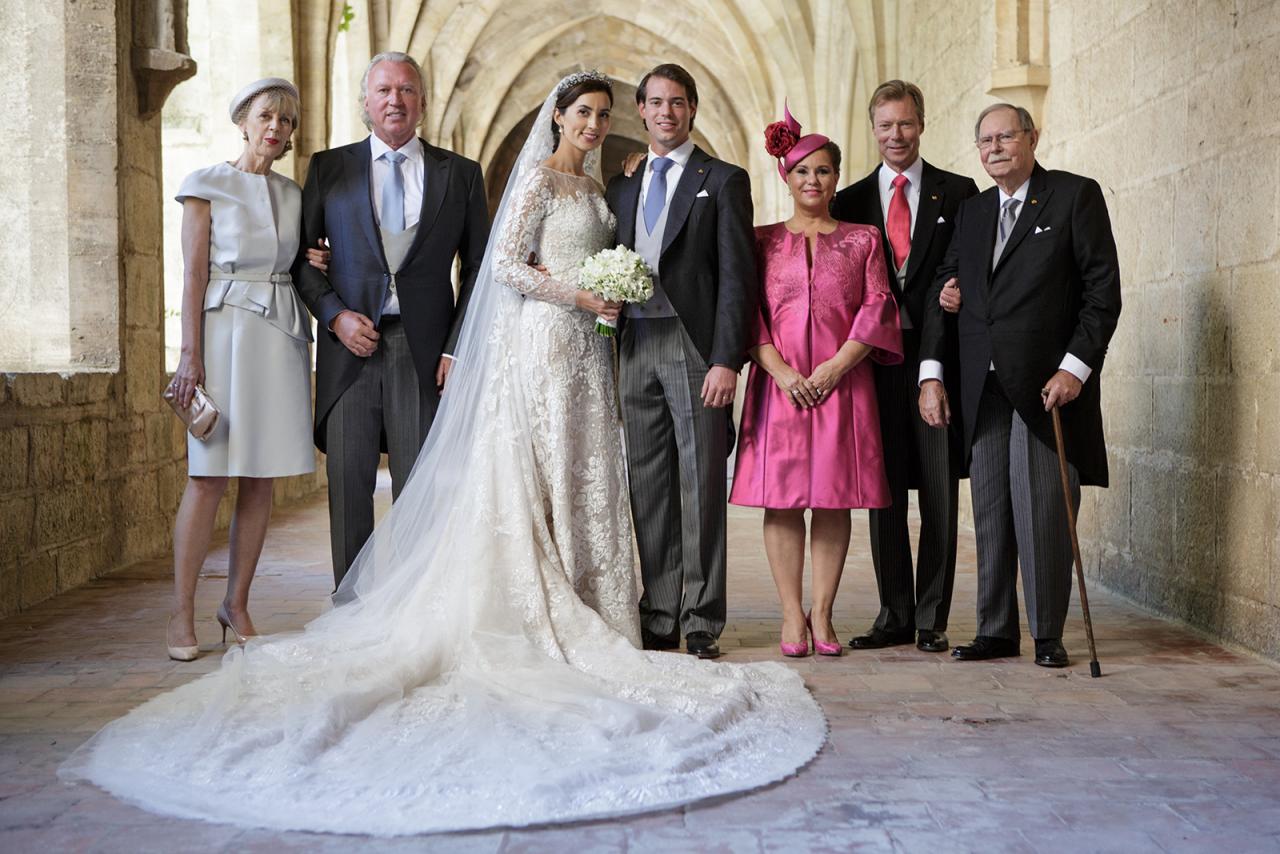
(200, 417)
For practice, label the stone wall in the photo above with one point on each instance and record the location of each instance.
(92, 464)
(1173, 108)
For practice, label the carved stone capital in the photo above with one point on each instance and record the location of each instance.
(160, 55)
(157, 71)
(1022, 84)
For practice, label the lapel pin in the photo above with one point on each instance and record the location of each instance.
(934, 197)
(699, 171)
(1033, 201)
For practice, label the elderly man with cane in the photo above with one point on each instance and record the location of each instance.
(1032, 273)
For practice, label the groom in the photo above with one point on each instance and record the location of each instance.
(689, 216)
(396, 212)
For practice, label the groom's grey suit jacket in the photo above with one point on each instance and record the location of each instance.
(708, 255)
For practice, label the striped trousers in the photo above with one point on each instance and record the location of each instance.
(1019, 519)
(386, 400)
(676, 463)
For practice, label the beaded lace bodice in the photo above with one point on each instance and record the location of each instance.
(560, 220)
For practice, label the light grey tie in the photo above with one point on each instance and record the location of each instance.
(1008, 216)
(393, 194)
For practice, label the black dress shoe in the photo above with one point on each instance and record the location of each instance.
(984, 647)
(931, 641)
(702, 644)
(660, 643)
(878, 638)
(1051, 653)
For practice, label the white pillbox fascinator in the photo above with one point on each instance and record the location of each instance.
(257, 87)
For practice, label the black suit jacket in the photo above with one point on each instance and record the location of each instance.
(1055, 290)
(941, 193)
(708, 262)
(337, 203)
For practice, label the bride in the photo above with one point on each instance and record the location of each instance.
(482, 669)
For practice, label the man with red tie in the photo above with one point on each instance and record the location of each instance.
(914, 204)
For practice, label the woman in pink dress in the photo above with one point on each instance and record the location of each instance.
(810, 426)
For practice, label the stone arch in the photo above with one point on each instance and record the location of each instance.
(488, 63)
(526, 86)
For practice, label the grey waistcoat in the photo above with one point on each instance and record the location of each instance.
(649, 247)
(395, 247)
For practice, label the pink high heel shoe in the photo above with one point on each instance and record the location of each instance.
(795, 650)
(832, 650)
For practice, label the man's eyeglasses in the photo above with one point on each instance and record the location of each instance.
(1006, 138)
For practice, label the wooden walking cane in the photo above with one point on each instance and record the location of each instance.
(1095, 669)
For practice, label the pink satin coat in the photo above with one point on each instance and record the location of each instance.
(829, 456)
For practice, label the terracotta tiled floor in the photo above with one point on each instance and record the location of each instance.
(1177, 748)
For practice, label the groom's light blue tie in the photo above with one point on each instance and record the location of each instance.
(393, 194)
(657, 198)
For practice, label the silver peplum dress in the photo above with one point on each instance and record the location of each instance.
(256, 330)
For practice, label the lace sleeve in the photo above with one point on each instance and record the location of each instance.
(518, 239)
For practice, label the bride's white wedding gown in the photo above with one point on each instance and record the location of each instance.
(486, 673)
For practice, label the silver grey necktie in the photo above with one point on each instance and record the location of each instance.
(393, 194)
(1008, 216)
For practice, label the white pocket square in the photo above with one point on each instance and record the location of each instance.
(942, 219)
(1040, 230)
(702, 194)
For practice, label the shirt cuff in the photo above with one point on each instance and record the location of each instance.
(449, 356)
(930, 369)
(1075, 367)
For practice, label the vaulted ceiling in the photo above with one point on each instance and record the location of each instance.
(490, 62)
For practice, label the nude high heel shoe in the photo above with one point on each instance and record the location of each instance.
(179, 653)
(225, 621)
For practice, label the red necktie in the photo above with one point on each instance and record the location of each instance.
(898, 222)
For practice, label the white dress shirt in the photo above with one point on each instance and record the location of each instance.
(931, 369)
(915, 174)
(679, 158)
(412, 169)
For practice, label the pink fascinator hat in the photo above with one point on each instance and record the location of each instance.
(784, 141)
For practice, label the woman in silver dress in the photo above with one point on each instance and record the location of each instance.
(245, 338)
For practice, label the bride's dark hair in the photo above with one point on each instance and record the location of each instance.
(575, 90)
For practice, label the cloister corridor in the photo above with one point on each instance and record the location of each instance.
(1170, 105)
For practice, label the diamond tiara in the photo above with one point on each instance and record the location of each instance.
(580, 77)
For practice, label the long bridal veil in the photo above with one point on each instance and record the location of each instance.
(461, 683)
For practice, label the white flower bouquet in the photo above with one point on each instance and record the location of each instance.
(618, 275)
